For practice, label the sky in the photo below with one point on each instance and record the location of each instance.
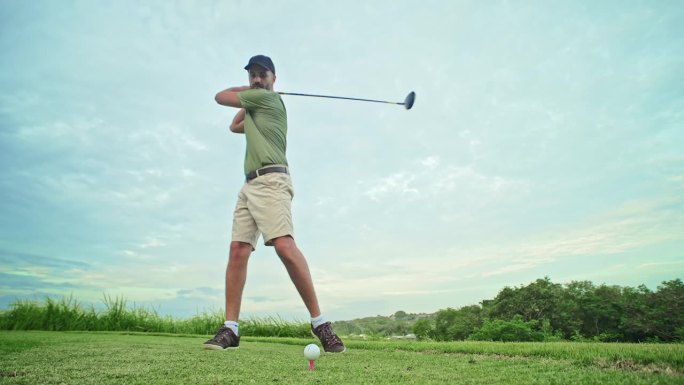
(546, 140)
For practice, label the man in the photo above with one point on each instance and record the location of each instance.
(263, 205)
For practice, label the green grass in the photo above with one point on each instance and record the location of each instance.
(67, 314)
(38, 357)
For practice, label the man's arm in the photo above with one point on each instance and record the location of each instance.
(228, 97)
(238, 124)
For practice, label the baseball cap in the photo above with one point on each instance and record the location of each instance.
(263, 61)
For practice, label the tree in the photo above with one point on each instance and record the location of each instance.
(635, 321)
(398, 328)
(596, 310)
(423, 329)
(667, 310)
(400, 315)
(541, 300)
(604, 314)
(507, 331)
(452, 324)
(574, 295)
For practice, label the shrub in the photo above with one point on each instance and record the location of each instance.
(679, 334)
(423, 329)
(507, 331)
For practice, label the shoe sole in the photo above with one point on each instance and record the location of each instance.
(343, 350)
(216, 347)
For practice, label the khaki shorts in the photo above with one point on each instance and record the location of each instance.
(264, 207)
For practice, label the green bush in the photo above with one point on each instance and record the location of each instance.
(507, 331)
(423, 329)
(679, 334)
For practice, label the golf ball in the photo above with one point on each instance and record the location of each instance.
(311, 351)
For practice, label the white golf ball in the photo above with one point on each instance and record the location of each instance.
(311, 351)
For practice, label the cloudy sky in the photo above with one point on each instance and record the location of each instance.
(546, 140)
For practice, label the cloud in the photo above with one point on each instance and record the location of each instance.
(667, 265)
(466, 179)
(27, 281)
(430, 162)
(434, 180)
(515, 267)
(395, 184)
(629, 227)
(11, 259)
(152, 242)
(164, 138)
(28, 275)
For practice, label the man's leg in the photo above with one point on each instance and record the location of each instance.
(244, 237)
(298, 269)
(296, 266)
(227, 336)
(236, 276)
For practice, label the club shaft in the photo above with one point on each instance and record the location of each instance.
(340, 97)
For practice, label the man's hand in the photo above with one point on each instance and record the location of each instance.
(228, 97)
(238, 124)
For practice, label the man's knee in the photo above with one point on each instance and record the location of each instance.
(284, 246)
(239, 251)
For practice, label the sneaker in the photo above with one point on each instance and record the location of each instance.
(225, 338)
(330, 341)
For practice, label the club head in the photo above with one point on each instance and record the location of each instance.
(410, 98)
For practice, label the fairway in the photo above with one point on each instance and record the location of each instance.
(116, 358)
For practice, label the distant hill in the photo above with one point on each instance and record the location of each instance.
(397, 324)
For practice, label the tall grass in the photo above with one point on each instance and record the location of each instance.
(67, 314)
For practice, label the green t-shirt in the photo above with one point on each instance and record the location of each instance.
(265, 128)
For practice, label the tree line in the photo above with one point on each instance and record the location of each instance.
(548, 311)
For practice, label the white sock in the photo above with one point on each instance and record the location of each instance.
(233, 326)
(318, 321)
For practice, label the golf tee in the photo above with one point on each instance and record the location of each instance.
(311, 365)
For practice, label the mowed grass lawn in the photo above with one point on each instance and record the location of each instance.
(115, 358)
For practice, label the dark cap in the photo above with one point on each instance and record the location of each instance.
(263, 61)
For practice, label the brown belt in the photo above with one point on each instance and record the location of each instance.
(265, 170)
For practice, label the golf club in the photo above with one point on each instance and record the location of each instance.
(407, 103)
